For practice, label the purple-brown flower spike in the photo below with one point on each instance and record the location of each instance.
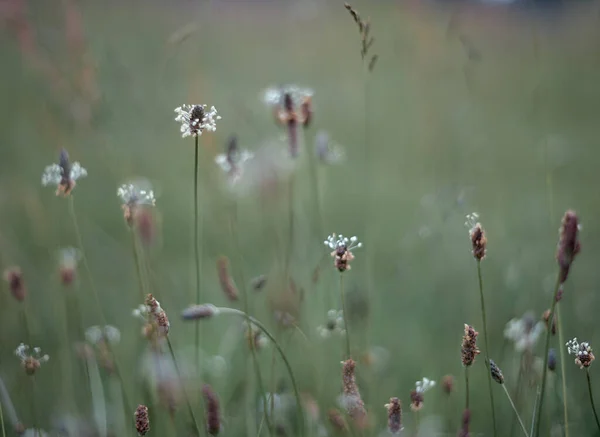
(213, 419)
(394, 409)
(14, 277)
(582, 351)
(466, 420)
(142, 422)
(469, 349)
(568, 243)
(496, 372)
(351, 399)
(477, 235)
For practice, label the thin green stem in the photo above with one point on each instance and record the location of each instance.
(589, 384)
(187, 399)
(487, 345)
(512, 404)
(518, 388)
(196, 245)
(346, 324)
(466, 387)
(35, 422)
(538, 421)
(138, 267)
(535, 407)
(259, 325)
(290, 242)
(563, 376)
(234, 236)
(417, 422)
(2, 421)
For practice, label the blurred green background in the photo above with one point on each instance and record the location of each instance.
(471, 107)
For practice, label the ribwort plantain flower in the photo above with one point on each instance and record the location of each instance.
(134, 195)
(568, 243)
(156, 323)
(213, 418)
(477, 235)
(333, 325)
(63, 175)
(394, 409)
(197, 312)
(351, 400)
(496, 372)
(342, 250)
(67, 267)
(233, 160)
(16, 285)
(469, 349)
(416, 396)
(195, 119)
(582, 351)
(142, 422)
(102, 338)
(31, 362)
(524, 332)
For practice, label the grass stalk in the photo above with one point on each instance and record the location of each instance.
(196, 246)
(98, 400)
(346, 324)
(244, 292)
(512, 404)
(2, 421)
(589, 384)
(538, 420)
(259, 325)
(563, 375)
(466, 388)
(487, 346)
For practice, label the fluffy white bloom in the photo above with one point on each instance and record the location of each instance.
(524, 332)
(195, 119)
(339, 241)
(132, 194)
(273, 96)
(229, 163)
(424, 385)
(109, 333)
(333, 325)
(22, 351)
(53, 174)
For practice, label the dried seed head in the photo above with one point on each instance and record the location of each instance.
(142, 422)
(496, 372)
(582, 351)
(394, 409)
(213, 419)
(351, 399)
(336, 419)
(478, 241)
(448, 384)
(14, 277)
(227, 284)
(197, 312)
(546, 319)
(568, 243)
(469, 349)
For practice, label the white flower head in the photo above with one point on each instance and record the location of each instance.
(274, 96)
(524, 332)
(334, 324)
(327, 151)
(142, 312)
(195, 119)
(95, 334)
(336, 242)
(424, 385)
(69, 257)
(582, 351)
(31, 360)
(64, 174)
(229, 163)
(134, 194)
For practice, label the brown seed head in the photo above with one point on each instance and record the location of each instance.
(142, 422)
(31, 365)
(469, 349)
(337, 421)
(16, 285)
(496, 373)
(568, 243)
(225, 279)
(352, 400)
(394, 409)
(478, 241)
(448, 384)
(213, 419)
(197, 312)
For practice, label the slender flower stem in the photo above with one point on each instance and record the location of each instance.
(232, 229)
(196, 245)
(346, 324)
(2, 421)
(138, 268)
(487, 345)
(538, 420)
(512, 404)
(535, 407)
(259, 325)
(187, 399)
(33, 406)
(589, 384)
(466, 388)
(562, 368)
